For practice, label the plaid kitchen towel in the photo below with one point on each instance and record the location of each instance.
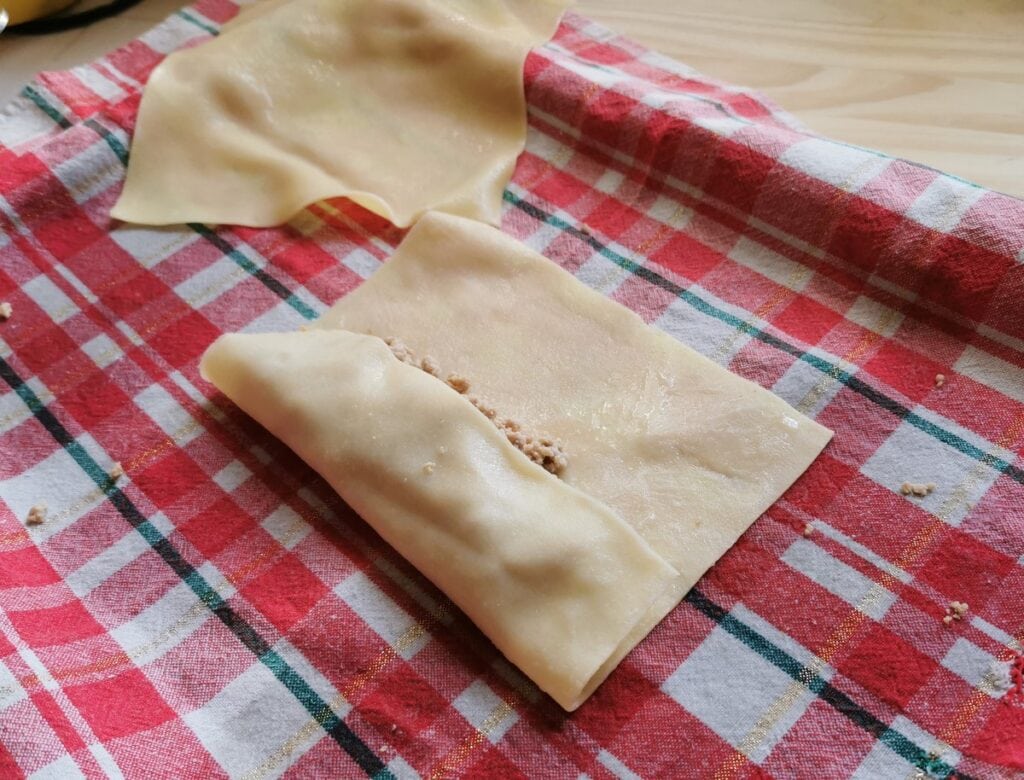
(217, 611)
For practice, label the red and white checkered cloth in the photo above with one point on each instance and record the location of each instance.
(218, 611)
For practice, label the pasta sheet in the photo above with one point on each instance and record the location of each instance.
(554, 578)
(401, 105)
(684, 451)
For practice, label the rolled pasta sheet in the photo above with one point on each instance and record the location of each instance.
(685, 452)
(551, 575)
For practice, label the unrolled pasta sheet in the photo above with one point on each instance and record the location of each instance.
(684, 451)
(551, 575)
(401, 105)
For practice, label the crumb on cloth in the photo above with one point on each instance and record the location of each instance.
(808, 529)
(116, 471)
(940, 380)
(542, 450)
(918, 489)
(6, 310)
(955, 611)
(37, 514)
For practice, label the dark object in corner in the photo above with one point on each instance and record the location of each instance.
(59, 23)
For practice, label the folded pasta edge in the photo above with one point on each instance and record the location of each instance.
(558, 587)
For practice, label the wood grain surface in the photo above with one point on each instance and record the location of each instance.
(939, 82)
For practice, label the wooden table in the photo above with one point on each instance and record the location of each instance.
(939, 82)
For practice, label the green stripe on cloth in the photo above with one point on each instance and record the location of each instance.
(821, 364)
(321, 711)
(894, 740)
(198, 23)
(41, 103)
(270, 282)
(111, 140)
(243, 262)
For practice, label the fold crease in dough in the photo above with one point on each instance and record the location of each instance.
(401, 105)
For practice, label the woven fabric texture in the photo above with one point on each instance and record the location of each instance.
(217, 611)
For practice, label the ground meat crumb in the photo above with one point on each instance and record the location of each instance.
(917, 489)
(5, 311)
(487, 411)
(458, 383)
(541, 450)
(116, 472)
(940, 380)
(428, 365)
(37, 514)
(400, 351)
(955, 611)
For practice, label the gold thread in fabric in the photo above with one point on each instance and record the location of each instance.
(832, 375)
(463, 751)
(855, 617)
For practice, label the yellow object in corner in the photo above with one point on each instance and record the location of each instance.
(27, 10)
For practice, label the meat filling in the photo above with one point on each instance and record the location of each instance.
(542, 450)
